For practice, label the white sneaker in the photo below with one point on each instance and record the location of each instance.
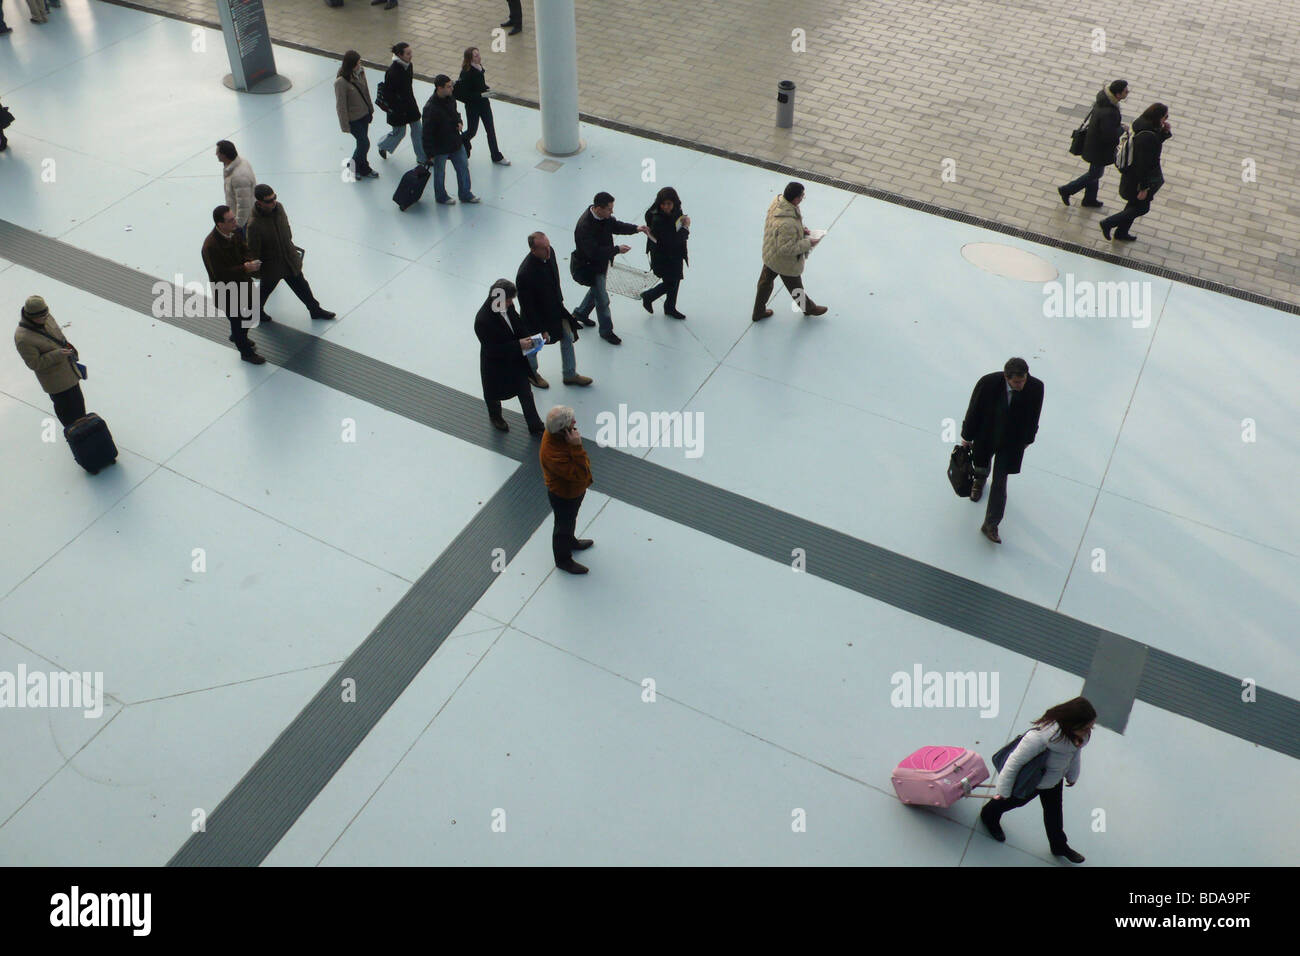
(503, 161)
(472, 199)
(447, 202)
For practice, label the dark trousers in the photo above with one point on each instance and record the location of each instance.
(1053, 817)
(792, 283)
(297, 283)
(525, 402)
(566, 522)
(997, 491)
(482, 110)
(1124, 218)
(69, 405)
(239, 334)
(361, 133)
(1088, 182)
(516, 13)
(668, 289)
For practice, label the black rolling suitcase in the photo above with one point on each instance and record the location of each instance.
(411, 188)
(91, 443)
(961, 471)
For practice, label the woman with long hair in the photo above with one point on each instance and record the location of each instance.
(666, 243)
(1139, 182)
(1062, 731)
(355, 110)
(473, 91)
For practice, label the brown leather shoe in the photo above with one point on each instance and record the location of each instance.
(977, 489)
(767, 314)
(538, 381)
(817, 310)
(578, 380)
(573, 567)
(991, 533)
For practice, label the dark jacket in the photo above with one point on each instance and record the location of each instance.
(441, 126)
(471, 86)
(224, 258)
(1144, 172)
(271, 240)
(595, 241)
(399, 94)
(1103, 131)
(993, 426)
(541, 301)
(667, 249)
(501, 364)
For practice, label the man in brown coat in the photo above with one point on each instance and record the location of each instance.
(52, 357)
(230, 270)
(567, 472)
(270, 240)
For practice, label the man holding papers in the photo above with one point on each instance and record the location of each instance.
(786, 244)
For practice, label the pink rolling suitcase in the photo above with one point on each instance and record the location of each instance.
(939, 776)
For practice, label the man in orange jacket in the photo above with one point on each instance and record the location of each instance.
(567, 471)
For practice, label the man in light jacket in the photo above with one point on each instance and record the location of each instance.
(239, 182)
(786, 244)
(46, 352)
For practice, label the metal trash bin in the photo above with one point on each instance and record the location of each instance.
(785, 104)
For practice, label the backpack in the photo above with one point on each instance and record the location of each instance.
(1124, 151)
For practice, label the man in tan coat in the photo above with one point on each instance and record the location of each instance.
(786, 244)
(52, 357)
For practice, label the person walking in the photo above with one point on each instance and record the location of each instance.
(541, 303)
(238, 179)
(502, 366)
(355, 110)
(666, 243)
(1143, 178)
(39, 11)
(1062, 731)
(230, 270)
(270, 240)
(400, 104)
(516, 18)
(1104, 128)
(1001, 421)
(566, 469)
(442, 141)
(594, 238)
(44, 349)
(4, 29)
(6, 120)
(472, 90)
(786, 244)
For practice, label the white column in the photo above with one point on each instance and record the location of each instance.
(557, 75)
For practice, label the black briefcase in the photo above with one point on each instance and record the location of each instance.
(961, 471)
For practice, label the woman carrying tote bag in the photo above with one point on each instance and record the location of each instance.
(1061, 733)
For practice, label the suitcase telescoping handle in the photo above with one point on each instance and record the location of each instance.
(967, 788)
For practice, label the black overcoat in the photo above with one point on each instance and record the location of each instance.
(991, 425)
(501, 364)
(1104, 130)
(399, 94)
(541, 301)
(1144, 172)
(668, 250)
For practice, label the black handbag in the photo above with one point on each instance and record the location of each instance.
(961, 471)
(1080, 136)
(6, 117)
(579, 270)
(1030, 775)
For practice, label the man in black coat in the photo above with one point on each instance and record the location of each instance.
(441, 133)
(1001, 420)
(230, 269)
(516, 20)
(501, 364)
(1104, 129)
(594, 238)
(1143, 177)
(542, 303)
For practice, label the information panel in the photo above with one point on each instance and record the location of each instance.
(248, 41)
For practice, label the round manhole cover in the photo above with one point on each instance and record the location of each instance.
(1008, 261)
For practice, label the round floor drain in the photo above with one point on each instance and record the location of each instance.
(1008, 261)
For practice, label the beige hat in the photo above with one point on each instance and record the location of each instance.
(35, 308)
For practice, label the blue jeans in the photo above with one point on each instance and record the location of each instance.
(359, 128)
(390, 141)
(568, 362)
(460, 162)
(598, 297)
(1088, 182)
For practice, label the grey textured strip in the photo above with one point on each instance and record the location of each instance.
(1112, 681)
(1172, 683)
(259, 811)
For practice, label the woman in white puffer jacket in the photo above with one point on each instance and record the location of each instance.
(1062, 732)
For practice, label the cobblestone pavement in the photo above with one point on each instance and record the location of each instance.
(890, 89)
